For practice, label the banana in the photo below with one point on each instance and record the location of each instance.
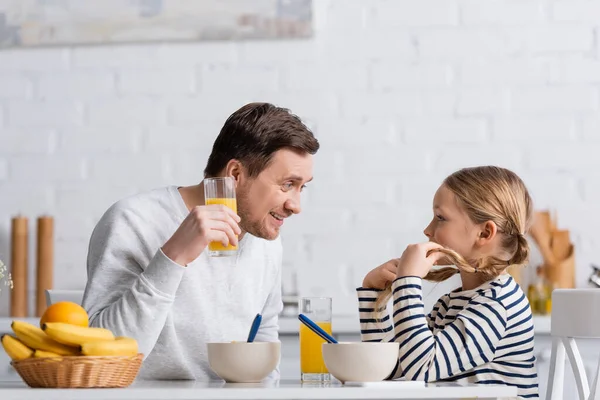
(35, 338)
(15, 349)
(74, 335)
(45, 354)
(121, 346)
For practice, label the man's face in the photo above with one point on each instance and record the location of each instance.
(267, 199)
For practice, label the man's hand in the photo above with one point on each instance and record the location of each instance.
(204, 224)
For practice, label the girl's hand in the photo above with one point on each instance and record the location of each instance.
(379, 277)
(418, 259)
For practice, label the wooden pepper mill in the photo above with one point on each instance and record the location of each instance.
(45, 261)
(19, 247)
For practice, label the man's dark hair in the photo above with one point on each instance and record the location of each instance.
(254, 133)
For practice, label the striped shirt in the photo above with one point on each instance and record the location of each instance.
(482, 336)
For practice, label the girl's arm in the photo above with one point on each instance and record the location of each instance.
(372, 330)
(433, 315)
(469, 341)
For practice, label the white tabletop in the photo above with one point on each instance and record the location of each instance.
(282, 390)
(342, 324)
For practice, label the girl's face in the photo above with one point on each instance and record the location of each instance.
(451, 227)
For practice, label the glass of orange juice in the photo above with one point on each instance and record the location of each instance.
(220, 190)
(312, 366)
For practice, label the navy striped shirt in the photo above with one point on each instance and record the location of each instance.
(483, 335)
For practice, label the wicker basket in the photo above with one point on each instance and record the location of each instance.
(79, 371)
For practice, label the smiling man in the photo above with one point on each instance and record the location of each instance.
(149, 272)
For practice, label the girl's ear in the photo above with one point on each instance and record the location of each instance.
(487, 232)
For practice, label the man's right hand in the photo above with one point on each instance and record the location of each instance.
(204, 224)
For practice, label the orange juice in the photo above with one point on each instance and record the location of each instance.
(231, 203)
(311, 353)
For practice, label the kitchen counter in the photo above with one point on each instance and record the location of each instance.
(349, 325)
(287, 325)
(341, 324)
(290, 325)
(346, 329)
(283, 390)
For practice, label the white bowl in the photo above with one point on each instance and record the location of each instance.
(243, 362)
(360, 362)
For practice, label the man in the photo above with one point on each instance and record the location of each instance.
(149, 273)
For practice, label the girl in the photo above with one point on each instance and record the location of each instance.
(479, 333)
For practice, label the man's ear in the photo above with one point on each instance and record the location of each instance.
(487, 232)
(236, 170)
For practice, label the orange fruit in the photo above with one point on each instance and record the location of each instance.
(66, 312)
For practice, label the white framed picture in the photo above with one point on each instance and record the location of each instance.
(34, 23)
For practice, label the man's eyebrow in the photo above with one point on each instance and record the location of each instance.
(296, 178)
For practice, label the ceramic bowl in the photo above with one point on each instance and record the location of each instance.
(360, 362)
(243, 362)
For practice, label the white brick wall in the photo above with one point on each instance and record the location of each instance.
(576, 11)
(14, 86)
(532, 131)
(500, 12)
(42, 114)
(75, 85)
(403, 13)
(591, 129)
(174, 81)
(482, 101)
(400, 93)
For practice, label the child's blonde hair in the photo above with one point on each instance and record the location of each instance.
(486, 193)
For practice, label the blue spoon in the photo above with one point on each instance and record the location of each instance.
(254, 328)
(316, 328)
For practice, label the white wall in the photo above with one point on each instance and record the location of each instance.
(400, 93)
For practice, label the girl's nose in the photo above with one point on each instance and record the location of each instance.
(428, 231)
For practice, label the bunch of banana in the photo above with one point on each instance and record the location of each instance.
(73, 335)
(45, 354)
(121, 346)
(34, 338)
(91, 341)
(15, 349)
(59, 339)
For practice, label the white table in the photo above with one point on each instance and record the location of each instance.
(342, 324)
(278, 390)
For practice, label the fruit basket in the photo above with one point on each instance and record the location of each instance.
(79, 371)
(65, 352)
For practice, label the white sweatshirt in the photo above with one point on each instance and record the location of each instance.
(134, 290)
